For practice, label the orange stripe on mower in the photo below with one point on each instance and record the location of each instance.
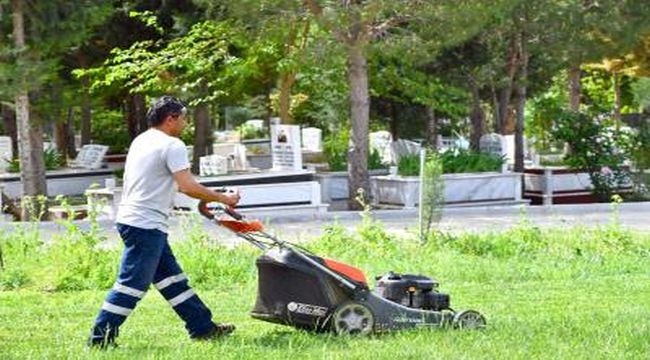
(346, 270)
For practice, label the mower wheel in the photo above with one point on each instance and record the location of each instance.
(354, 318)
(469, 319)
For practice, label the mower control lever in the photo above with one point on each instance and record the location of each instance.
(232, 213)
(203, 210)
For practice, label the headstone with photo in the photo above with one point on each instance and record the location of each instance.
(312, 139)
(494, 144)
(285, 147)
(6, 153)
(91, 156)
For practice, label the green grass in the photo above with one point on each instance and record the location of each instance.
(597, 318)
(566, 293)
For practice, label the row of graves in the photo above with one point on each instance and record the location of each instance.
(282, 179)
(89, 169)
(283, 183)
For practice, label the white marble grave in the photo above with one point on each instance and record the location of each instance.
(91, 156)
(211, 165)
(404, 147)
(312, 139)
(286, 149)
(494, 144)
(485, 188)
(380, 141)
(6, 152)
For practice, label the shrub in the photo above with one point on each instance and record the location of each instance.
(53, 160)
(465, 161)
(409, 165)
(109, 128)
(335, 147)
(596, 147)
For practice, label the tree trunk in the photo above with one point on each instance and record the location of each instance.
(202, 135)
(136, 121)
(432, 128)
(359, 102)
(521, 105)
(30, 133)
(284, 108)
(71, 149)
(617, 100)
(505, 90)
(9, 125)
(394, 128)
(477, 118)
(60, 139)
(86, 113)
(575, 87)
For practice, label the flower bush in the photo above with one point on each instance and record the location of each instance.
(597, 148)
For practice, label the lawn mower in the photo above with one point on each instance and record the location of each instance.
(300, 289)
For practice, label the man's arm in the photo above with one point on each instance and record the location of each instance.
(190, 187)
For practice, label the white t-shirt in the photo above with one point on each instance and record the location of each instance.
(149, 186)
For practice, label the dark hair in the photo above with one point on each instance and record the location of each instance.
(163, 107)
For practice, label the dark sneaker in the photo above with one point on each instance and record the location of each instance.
(217, 331)
(102, 339)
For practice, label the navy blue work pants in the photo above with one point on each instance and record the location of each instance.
(147, 259)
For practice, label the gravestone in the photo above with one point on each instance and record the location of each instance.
(404, 147)
(285, 147)
(312, 139)
(91, 156)
(510, 150)
(235, 154)
(6, 153)
(494, 144)
(380, 141)
(211, 165)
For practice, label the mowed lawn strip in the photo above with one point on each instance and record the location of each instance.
(599, 317)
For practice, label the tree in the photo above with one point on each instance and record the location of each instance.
(42, 32)
(201, 66)
(356, 24)
(30, 132)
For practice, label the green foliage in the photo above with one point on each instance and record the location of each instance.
(541, 112)
(52, 158)
(408, 165)
(433, 193)
(596, 147)
(465, 161)
(202, 63)
(374, 160)
(598, 95)
(210, 263)
(109, 128)
(638, 145)
(88, 265)
(18, 249)
(641, 92)
(249, 131)
(335, 148)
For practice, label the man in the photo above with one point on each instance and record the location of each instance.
(156, 162)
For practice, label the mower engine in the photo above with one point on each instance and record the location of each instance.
(414, 291)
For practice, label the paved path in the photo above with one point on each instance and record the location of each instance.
(635, 216)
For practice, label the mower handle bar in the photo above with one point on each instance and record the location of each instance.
(203, 210)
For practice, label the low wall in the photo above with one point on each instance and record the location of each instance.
(59, 182)
(459, 189)
(559, 185)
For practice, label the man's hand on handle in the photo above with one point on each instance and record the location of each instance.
(230, 197)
